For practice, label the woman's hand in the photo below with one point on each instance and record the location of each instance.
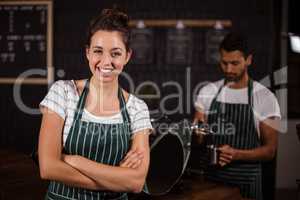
(133, 159)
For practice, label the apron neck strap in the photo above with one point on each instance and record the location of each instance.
(219, 90)
(123, 106)
(82, 99)
(83, 96)
(250, 88)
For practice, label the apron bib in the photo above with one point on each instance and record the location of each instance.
(235, 126)
(103, 143)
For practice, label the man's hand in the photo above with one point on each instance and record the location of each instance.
(133, 159)
(227, 155)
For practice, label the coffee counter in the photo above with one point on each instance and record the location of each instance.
(194, 187)
(19, 177)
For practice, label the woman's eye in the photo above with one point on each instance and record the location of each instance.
(98, 51)
(115, 54)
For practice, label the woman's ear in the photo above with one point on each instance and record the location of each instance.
(128, 55)
(87, 52)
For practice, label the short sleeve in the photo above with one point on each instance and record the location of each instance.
(266, 105)
(205, 97)
(55, 99)
(139, 115)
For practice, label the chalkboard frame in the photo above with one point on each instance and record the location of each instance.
(49, 58)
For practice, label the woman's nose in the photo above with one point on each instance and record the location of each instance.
(106, 60)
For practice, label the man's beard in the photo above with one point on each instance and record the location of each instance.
(234, 77)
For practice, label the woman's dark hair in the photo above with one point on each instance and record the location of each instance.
(110, 20)
(236, 41)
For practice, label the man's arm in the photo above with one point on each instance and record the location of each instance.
(199, 117)
(269, 136)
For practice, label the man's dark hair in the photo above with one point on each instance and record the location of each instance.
(235, 41)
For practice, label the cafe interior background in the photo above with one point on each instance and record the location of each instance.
(180, 43)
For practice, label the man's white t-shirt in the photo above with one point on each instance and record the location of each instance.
(62, 98)
(265, 104)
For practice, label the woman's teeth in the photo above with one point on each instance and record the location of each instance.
(104, 70)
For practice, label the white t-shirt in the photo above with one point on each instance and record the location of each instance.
(265, 104)
(62, 98)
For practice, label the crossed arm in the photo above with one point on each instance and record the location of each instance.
(78, 171)
(269, 137)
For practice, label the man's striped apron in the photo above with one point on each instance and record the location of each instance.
(235, 126)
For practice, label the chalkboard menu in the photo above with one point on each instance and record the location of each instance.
(179, 46)
(142, 45)
(213, 41)
(25, 40)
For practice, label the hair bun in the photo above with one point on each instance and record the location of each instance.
(110, 20)
(116, 16)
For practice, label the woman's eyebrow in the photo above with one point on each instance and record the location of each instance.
(97, 47)
(117, 48)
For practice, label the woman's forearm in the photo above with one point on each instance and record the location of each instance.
(114, 178)
(62, 172)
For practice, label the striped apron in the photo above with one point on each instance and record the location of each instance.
(103, 143)
(235, 126)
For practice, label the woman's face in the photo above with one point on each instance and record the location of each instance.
(107, 55)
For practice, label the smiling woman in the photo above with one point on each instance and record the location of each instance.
(107, 55)
(93, 140)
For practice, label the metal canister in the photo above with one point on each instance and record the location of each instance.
(213, 153)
